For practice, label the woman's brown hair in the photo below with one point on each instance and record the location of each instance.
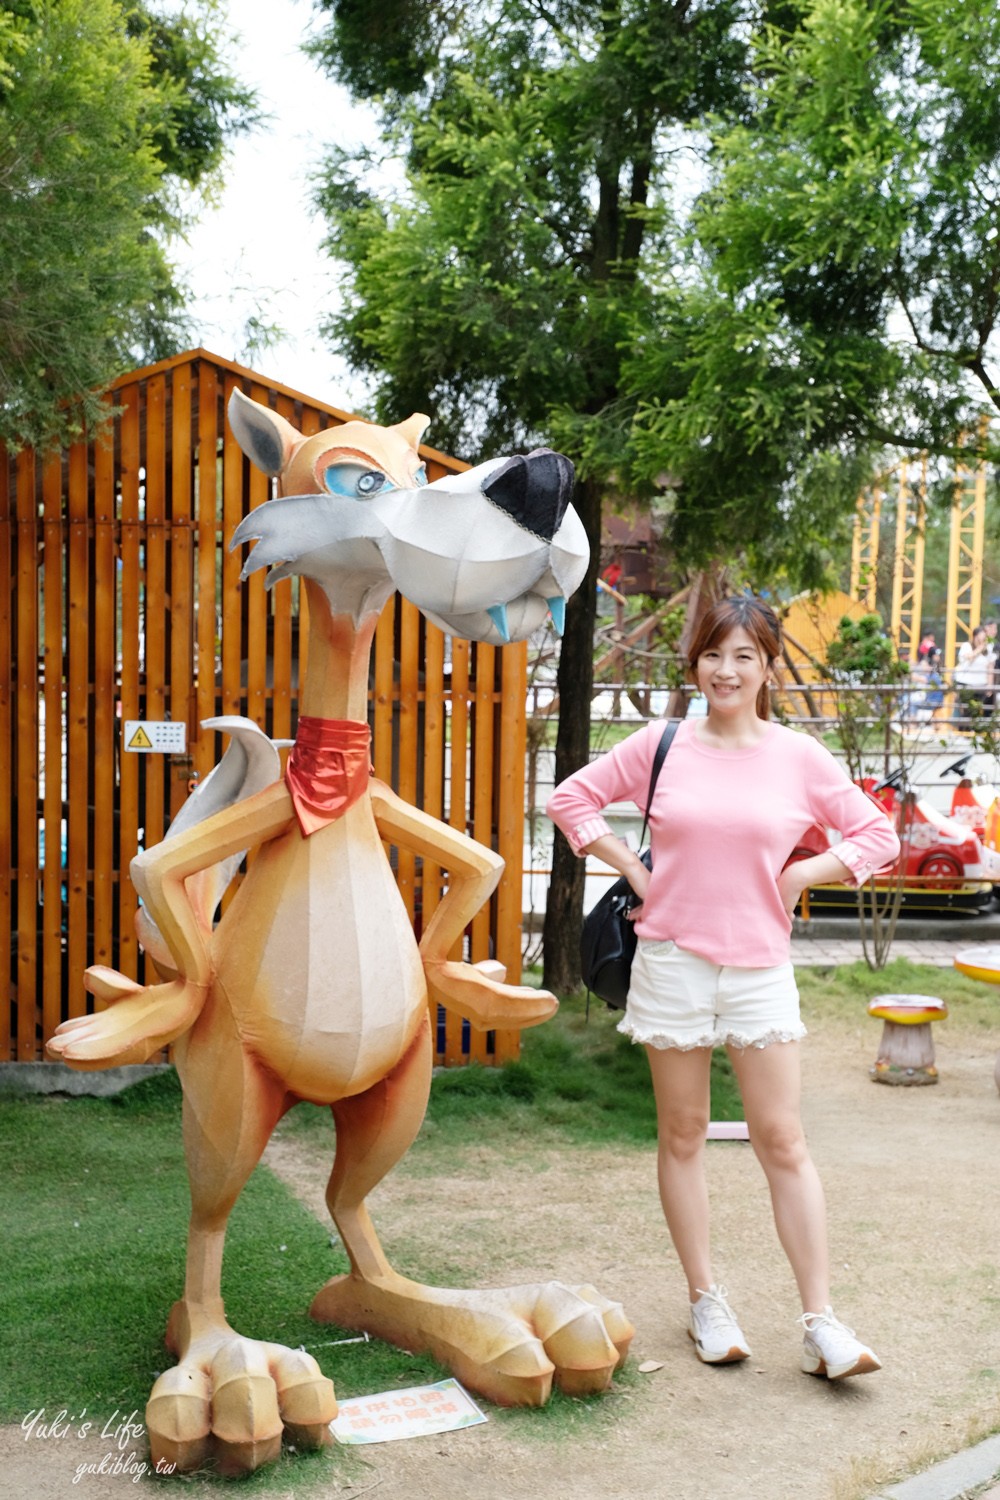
(741, 612)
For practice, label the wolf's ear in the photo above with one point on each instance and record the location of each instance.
(266, 439)
(413, 428)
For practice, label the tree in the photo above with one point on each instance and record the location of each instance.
(871, 689)
(107, 112)
(845, 276)
(500, 288)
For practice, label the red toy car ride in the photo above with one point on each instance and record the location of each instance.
(945, 862)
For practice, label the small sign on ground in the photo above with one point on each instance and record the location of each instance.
(416, 1412)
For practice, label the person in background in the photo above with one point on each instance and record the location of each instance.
(974, 676)
(990, 626)
(934, 678)
(914, 703)
(926, 696)
(736, 795)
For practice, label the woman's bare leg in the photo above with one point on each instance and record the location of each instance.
(681, 1087)
(770, 1082)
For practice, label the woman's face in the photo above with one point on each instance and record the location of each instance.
(732, 673)
(978, 637)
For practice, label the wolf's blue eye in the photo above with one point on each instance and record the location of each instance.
(353, 482)
(371, 483)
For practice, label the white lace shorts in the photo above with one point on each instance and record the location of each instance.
(678, 999)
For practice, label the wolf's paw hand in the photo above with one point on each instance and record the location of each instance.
(137, 1023)
(477, 991)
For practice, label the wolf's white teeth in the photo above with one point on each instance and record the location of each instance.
(557, 609)
(498, 614)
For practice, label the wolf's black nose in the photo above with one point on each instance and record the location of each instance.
(534, 489)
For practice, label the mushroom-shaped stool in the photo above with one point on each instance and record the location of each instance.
(982, 962)
(906, 1051)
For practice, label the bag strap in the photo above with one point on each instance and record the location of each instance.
(666, 739)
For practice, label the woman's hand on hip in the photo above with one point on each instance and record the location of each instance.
(790, 886)
(818, 869)
(616, 853)
(639, 880)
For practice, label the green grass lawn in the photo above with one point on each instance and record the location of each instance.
(95, 1206)
(577, 1076)
(94, 1202)
(579, 1081)
(841, 994)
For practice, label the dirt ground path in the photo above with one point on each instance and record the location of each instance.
(913, 1182)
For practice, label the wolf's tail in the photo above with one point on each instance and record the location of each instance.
(250, 763)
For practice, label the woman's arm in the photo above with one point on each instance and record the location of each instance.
(868, 841)
(616, 853)
(820, 869)
(577, 804)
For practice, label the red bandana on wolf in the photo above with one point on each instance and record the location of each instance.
(328, 769)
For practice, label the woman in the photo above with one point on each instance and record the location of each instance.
(736, 794)
(974, 675)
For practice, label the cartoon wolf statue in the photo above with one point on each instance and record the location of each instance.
(312, 985)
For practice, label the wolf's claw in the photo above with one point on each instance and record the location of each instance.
(508, 1345)
(231, 1398)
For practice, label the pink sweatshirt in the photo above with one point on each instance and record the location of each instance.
(722, 825)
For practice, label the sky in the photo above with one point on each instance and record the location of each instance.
(258, 250)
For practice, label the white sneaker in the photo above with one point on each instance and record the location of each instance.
(830, 1349)
(718, 1338)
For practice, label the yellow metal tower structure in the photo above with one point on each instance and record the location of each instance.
(965, 558)
(908, 560)
(965, 553)
(864, 547)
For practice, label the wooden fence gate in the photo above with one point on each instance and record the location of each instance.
(124, 603)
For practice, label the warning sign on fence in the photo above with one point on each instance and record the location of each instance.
(159, 736)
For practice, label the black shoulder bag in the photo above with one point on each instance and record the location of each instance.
(607, 942)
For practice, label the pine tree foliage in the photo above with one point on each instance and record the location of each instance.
(723, 254)
(108, 113)
(498, 284)
(846, 269)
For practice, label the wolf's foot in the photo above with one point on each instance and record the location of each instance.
(230, 1398)
(138, 1022)
(506, 1345)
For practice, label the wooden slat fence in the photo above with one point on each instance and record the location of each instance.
(125, 603)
